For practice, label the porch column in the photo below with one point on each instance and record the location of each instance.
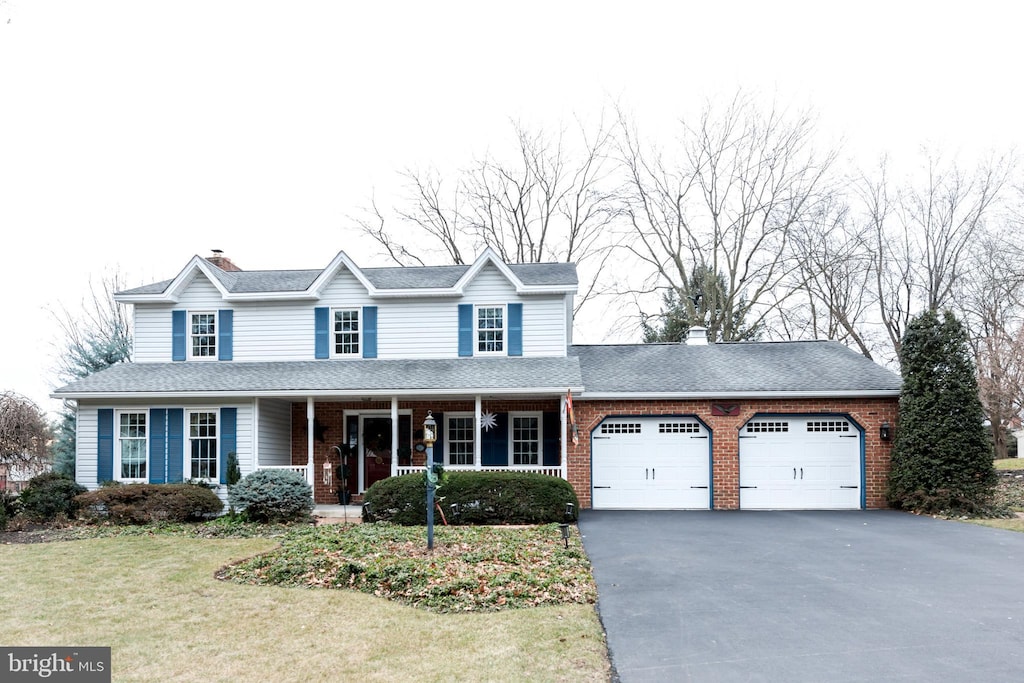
(310, 424)
(255, 434)
(394, 436)
(477, 446)
(564, 441)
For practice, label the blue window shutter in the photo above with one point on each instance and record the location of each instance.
(322, 319)
(439, 442)
(157, 430)
(178, 335)
(494, 443)
(228, 439)
(552, 444)
(369, 331)
(465, 330)
(225, 333)
(105, 441)
(175, 445)
(515, 329)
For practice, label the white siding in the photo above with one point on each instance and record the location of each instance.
(86, 443)
(86, 456)
(275, 433)
(406, 328)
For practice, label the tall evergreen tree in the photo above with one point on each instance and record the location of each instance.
(96, 338)
(942, 457)
(704, 308)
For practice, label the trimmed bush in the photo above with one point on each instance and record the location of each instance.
(8, 507)
(272, 496)
(480, 497)
(146, 503)
(48, 496)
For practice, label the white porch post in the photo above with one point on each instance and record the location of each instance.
(477, 446)
(394, 436)
(310, 417)
(564, 441)
(255, 434)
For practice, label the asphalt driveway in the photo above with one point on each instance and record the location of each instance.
(807, 596)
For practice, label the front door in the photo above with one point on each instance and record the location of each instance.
(375, 448)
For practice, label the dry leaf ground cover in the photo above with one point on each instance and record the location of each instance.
(470, 568)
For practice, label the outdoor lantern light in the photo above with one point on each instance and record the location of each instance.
(429, 437)
(569, 507)
(885, 431)
(455, 510)
(565, 533)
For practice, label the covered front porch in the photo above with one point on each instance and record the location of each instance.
(345, 444)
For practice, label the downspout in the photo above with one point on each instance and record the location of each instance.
(255, 434)
(310, 423)
(477, 446)
(563, 441)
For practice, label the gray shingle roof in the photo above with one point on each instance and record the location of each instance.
(319, 376)
(254, 281)
(735, 368)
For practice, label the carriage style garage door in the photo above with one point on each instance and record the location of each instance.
(651, 463)
(810, 462)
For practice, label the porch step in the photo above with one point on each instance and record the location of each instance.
(334, 513)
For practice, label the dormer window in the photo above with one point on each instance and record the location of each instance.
(346, 332)
(490, 329)
(202, 341)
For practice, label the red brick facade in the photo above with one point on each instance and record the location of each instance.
(868, 413)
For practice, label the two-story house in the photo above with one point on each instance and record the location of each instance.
(280, 368)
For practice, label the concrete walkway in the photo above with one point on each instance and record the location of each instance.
(807, 596)
(338, 513)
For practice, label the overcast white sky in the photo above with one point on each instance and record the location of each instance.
(134, 135)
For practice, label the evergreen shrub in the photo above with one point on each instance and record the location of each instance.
(272, 496)
(479, 497)
(48, 496)
(146, 503)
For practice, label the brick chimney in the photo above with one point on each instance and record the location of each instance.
(221, 261)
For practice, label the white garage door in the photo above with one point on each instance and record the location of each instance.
(800, 463)
(651, 463)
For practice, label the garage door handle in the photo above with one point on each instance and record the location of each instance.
(699, 437)
(801, 472)
(602, 487)
(600, 437)
(698, 487)
(849, 487)
(748, 487)
(849, 436)
(794, 473)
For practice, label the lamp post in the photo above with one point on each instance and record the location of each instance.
(429, 436)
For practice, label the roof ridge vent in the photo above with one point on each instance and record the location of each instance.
(697, 336)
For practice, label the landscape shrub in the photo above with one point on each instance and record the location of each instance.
(8, 507)
(272, 496)
(146, 503)
(479, 497)
(48, 496)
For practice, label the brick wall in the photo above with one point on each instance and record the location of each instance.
(868, 413)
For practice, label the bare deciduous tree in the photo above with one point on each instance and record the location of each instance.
(550, 202)
(743, 181)
(24, 435)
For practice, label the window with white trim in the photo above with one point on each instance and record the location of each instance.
(526, 439)
(131, 447)
(202, 444)
(459, 432)
(202, 335)
(490, 329)
(346, 331)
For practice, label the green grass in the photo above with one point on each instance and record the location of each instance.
(1009, 524)
(470, 569)
(1010, 464)
(155, 601)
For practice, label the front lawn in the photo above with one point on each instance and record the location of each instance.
(154, 599)
(1010, 464)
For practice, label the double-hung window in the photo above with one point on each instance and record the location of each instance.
(525, 439)
(490, 329)
(459, 439)
(346, 331)
(202, 335)
(202, 444)
(131, 447)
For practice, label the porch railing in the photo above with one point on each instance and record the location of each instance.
(551, 471)
(301, 469)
